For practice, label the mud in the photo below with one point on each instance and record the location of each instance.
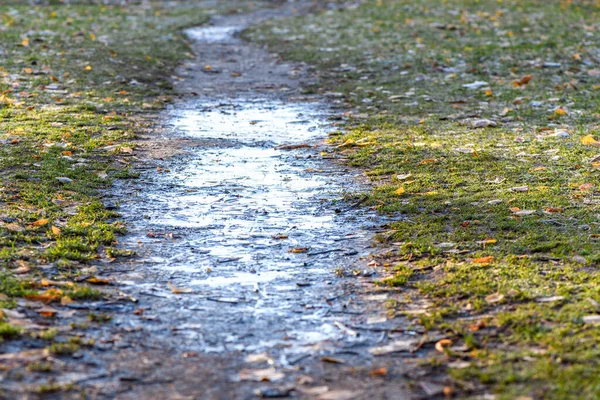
(252, 275)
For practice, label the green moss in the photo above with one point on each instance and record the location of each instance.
(63, 348)
(8, 331)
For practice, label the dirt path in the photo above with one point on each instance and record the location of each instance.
(251, 275)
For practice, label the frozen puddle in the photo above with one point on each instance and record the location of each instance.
(256, 233)
(213, 34)
(250, 205)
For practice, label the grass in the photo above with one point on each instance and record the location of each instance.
(494, 185)
(75, 81)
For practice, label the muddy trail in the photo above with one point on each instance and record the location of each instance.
(252, 277)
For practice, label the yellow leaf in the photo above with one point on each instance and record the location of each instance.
(400, 191)
(65, 300)
(589, 141)
(177, 290)
(25, 42)
(92, 36)
(40, 222)
(560, 111)
(88, 68)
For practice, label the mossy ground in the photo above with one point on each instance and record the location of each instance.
(498, 226)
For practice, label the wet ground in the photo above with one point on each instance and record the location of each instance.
(252, 276)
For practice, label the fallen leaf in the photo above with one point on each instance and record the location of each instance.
(379, 372)
(549, 299)
(483, 260)
(14, 227)
(258, 358)
(339, 395)
(483, 123)
(553, 209)
(23, 269)
(524, 212)
(477, 326)
(560, 112)
(97, 281)
(475, 85)
(592, 319)
(519, 189)
(441, 345)
(65, 300)
(394, 347)
(298, 250)
(177, 290)
(332, 360)
(261, 375)
(589, 141)
(56, 230)
(40, 222)
(400, 191)
(523, 81)
(494, 298)
(47, 311)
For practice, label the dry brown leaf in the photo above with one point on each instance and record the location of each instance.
(494, 298)
(261, 375)
(441, 345)
(298, 250)
(178, 290)
(332, 360)
(379, 372)
(13, 227)
(47, 311)
(23, 269)
(97, 281)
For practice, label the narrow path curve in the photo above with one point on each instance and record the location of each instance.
(240, 241)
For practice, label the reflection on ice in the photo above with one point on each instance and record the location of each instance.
(213, 34)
